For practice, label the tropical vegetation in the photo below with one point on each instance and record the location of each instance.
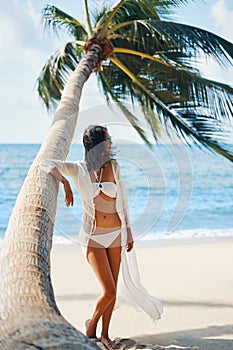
(149, 60)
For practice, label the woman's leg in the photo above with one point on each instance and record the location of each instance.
(99, 261)
(114, 258)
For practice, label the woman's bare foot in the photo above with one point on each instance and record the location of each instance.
(108, 343)
(90, 332)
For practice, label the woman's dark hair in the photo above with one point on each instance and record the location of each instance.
(93, 141)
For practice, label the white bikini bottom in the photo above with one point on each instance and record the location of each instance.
(129, 286)
(103, 239)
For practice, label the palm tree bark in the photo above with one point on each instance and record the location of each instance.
(29, 316)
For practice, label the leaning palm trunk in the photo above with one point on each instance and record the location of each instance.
(29, 317)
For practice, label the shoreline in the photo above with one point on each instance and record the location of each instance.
(57, 246)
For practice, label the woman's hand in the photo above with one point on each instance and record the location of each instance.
(129, 239)
(69, 194)
(130, 246)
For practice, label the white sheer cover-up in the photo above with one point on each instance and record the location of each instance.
(129, 283)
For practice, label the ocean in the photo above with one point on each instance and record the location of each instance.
(174, 191)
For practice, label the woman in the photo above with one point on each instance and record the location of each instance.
(105, 229)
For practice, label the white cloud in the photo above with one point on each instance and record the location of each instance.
(212, 70)
(25, 48)
(21, 34)
(222, 17)
(22, 56)
(16, 24)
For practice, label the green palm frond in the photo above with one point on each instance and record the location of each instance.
(149, 112)
(98, 14)
(173, 40)
(127, 10)
(177, 86)
(136, 87)
(140, 89)
(54, 74)
(207, 131)
(193, 40)
(154, 64)
(88, 19)
(111, 96)
(59, 20)
(183, 88)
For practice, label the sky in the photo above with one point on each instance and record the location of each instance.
(25, 46)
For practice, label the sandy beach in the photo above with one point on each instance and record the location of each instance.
(193, 279)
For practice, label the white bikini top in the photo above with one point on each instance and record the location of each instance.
(108, 188)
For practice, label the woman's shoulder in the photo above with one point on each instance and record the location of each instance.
(80, 163)
(115, 163)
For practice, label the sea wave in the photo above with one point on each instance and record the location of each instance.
(171, 195)
(63, 242)
(188, 234)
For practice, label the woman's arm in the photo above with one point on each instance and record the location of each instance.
(69, 198)
(130, 241)
(64, 167)
(55, 168)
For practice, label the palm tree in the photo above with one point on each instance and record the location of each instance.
(136, 55)
(151, 62)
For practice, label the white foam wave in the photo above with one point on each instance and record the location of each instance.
(188, 234)
(63, 241)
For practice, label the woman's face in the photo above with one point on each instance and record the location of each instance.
(107, 142)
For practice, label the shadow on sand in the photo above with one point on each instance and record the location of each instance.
(210, 338)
